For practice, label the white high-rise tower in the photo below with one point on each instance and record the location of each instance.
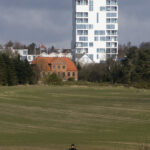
(95, 28)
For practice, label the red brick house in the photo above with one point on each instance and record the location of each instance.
(63, 67)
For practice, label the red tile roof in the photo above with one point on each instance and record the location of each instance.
(42, 46)
(49, 60)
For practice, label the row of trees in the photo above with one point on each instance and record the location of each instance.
(133, 68)
(13, 71)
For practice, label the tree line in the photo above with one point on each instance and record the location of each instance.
(14, 71)
(132, 68)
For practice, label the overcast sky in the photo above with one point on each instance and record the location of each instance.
(50, 21)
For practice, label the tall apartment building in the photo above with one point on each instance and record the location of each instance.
(95, 28)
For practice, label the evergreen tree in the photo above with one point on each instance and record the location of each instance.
(10, 71)
(3, 78)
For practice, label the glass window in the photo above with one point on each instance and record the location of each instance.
(103, 38)
(64, 67)
(68, 74)
(82, 2)
(99, 32)
(64, 74)
(100, 50)
(96, 38)
(90, 5)
(73, 74)
(110, 26)
(82, 32)
(84, 38)
(91, 44)
(59, 74)
(111, 14)
(58, 67)
(103, 8)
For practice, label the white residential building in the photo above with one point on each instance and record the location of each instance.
(95, 29)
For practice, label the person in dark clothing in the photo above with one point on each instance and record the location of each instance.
(72, 147)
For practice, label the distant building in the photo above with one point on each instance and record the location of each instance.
(43, 48)
(22, 52)
(95, 29)
(83, 59)
(62, 66)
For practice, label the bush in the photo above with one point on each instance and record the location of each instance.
(71, 79)
(52, 79)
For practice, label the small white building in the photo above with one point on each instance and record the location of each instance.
(83, 59)
(22, 52)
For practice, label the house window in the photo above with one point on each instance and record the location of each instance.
(73, 74)
(58, 74)
(64, 67)
(53, 67)
(68, 74)
(64, 74)
(58, 67)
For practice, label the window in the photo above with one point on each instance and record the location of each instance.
(81, 14)
(97, 17)
(68, 74)
(73, 74)
(111, 14)
(102, 38)
(111, 44)
(84, 38)
(82, 2)
(25, 53)
(58, 74)
(53, 66)
(110, 26)
(112, 32)
(111, 20)
(90, 5)
(84, 26)
(111, 38)
(102, 8)
(91, 44)
(111, 8)
(58, 67)
(82, 20)
(96, 38)
(82, 32)
(111, 50)
(64, 67)
(99, 32)
(111, 2)
(64, 74)
(100, 50)
(82, 50)
(81, 44)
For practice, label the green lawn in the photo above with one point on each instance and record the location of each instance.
(95, 118)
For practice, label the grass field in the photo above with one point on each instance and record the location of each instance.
(94, 118)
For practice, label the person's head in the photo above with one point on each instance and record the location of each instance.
(72, 146)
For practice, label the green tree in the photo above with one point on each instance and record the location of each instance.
(3, 78)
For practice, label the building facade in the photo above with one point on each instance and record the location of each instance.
(95, 29)
(62, 66)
